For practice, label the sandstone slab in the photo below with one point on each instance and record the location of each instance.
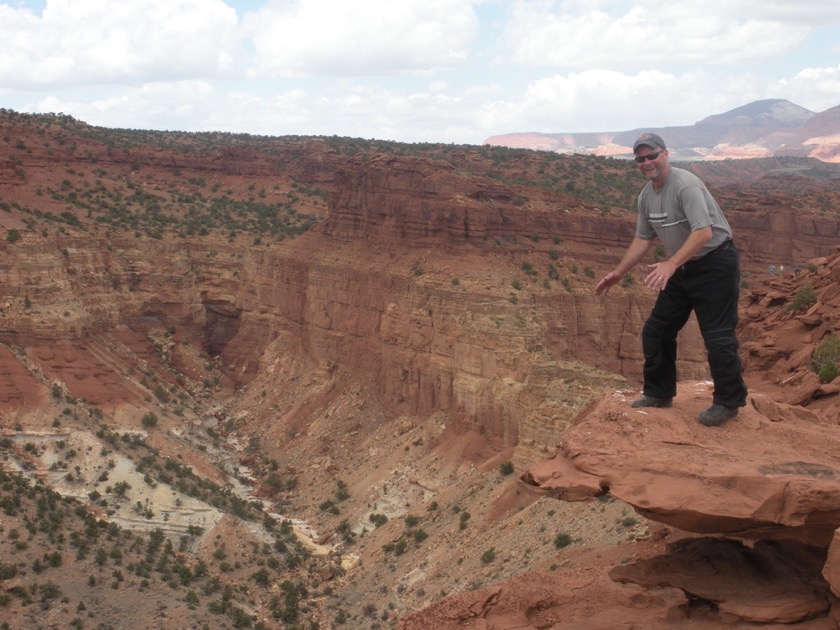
(769, 474)
(774, 582)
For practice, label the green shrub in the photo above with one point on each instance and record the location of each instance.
(506, 468)
(828, 373)
(529, 269)
(826, 359)
(659, 253)
(803, 300)
(378, 520)
(149, 420)
(341, 492)
(8, 571)
(397, 547)
(562, 540)
(465, 516)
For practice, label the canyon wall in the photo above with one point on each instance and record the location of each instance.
(412, 296)
(439, 288)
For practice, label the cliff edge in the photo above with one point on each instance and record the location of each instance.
(745, 516)
(748, 517)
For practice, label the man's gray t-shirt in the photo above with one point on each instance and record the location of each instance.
(682, 206)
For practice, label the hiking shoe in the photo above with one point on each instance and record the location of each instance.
(716, 415)
(650, 401)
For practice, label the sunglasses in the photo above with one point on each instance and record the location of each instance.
(650, 156)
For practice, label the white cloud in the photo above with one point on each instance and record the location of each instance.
(359, 37)
(814, 13)
(553, 104)
(616, 35)
(815, 88)
(97, 41)
(588, 101)
(175, 105)
(608, 100)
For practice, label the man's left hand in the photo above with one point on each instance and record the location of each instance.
(659, 276)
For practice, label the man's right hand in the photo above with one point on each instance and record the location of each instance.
(606, 282)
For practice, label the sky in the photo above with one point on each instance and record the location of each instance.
(451, 71)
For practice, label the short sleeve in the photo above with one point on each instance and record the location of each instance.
(644, 230)
(695, 207)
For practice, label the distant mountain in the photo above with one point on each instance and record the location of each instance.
(767, 128)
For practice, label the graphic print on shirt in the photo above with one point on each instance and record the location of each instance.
(659, 220)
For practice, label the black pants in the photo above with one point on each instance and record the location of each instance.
(709, 287)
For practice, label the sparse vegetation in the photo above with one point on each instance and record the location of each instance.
(659, 253)
(378, 520)
(120, 559)
(149, 420)
(826, 360)
(562, 539)
(803, 299)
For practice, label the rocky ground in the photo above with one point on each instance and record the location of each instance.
(449, 523)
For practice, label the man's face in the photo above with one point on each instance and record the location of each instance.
(652, 162)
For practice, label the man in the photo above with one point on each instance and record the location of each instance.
(701, 274)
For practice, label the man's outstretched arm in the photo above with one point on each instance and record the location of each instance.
(634, 254)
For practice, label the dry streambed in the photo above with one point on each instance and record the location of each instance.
(117, 485)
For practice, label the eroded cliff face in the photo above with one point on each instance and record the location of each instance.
(420, 342)
(439, 288)
(407, 283)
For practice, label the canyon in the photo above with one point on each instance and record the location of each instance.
(379, 346)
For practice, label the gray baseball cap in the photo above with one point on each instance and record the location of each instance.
(651, 140)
